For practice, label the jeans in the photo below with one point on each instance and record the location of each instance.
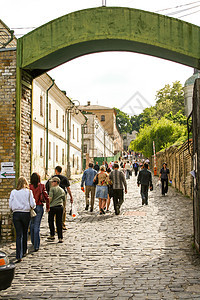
(58, 211)
(164, 186)
(35, 226)
(144, 193)
(127, 174)
(118, 199)
(21, 222)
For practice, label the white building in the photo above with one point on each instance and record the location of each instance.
(97, 141)
(52, 142)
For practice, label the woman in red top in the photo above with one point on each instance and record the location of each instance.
(41, 196)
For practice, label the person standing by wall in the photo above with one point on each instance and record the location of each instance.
(21, 201)
(65, 185)
(57, 198)
(41, 197)
(145, 180)
(164, 172)
(119, 184)
(87, 179)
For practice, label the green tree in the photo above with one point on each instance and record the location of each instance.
(170, 99)
(123, 122)
(177, 118)
(163, 132)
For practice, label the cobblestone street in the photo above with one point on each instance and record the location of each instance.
(144, 253)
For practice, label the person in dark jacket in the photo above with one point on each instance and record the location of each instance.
(145, 180)
(96, 167)
(136, 167)
(164, 172)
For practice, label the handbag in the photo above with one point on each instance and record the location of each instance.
(32, 211)
(95, 181)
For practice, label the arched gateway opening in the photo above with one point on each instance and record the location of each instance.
(90, 31)
(96, 30)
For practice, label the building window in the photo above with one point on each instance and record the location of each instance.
(63, 123)
(56, 153)
(84, 148)
(77, 163)
(41, 106)
(63, 156)
(56, 118)
(41, 147)
(49, 112)
(85, 129)
(102, 118)
(77, 135)
(73, 161)
(49, 150)
(73, 131)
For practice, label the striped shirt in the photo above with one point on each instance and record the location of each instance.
(118, 180)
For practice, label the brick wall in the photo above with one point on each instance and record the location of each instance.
(26, 103)
(7, 134)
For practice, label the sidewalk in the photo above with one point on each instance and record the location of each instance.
(144, 253)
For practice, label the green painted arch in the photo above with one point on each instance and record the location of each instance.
(108, 29)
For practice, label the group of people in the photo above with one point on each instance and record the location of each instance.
(103, 183)
(33, 196)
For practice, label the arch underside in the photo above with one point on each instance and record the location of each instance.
(108, 29)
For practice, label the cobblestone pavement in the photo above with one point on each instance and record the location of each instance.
(144, 253)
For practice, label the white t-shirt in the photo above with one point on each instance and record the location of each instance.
(19, 200)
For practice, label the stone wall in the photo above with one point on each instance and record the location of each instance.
(7, 134)
(26, 128)
(180, 164)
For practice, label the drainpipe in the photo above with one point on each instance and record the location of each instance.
(83, 126)
(47, 128)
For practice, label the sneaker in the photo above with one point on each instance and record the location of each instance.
(60, 241)
(51, 237)
(102, 210)
(91, 209)
(64, 227)
(87, 206)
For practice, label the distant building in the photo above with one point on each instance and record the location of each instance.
(107, 118)
(46, 157)
(128, 138)
(97, 141)
(188, 91)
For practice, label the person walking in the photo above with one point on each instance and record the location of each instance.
(57, 198)
(87, 179)
(164, 172)
(96, 167)
(110, 192)
(21, 201)
(128, 169)
(65, 185)
(145, 180)
(136, 167)
(102, 189)
(119, 184)
(40, 195)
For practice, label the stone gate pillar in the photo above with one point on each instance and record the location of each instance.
(196, 161)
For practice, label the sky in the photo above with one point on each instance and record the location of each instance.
(109, 78)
